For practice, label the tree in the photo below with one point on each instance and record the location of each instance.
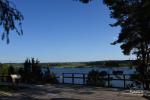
(11, 70)
(10, 19)
(36, 70)
(4, 72)
(85, 1)
(133, 16)
(112, 64)
(31, 73)
(26, 71)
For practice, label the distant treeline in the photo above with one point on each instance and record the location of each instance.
(108, 63)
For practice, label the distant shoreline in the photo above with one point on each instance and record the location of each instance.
(89, 64)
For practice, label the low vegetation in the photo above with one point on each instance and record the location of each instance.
(31, 72)
(96, 78)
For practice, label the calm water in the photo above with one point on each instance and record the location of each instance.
(116, 83)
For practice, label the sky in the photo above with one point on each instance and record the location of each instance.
(63, 31)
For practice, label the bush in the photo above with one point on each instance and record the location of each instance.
(5, 72)
(49, 77)
(31, 73)
(34, 73)
(96, 78)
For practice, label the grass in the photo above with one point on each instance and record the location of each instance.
(9, 88)
(6, 88)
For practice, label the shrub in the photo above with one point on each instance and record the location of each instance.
(5, 72)
(96, 78)
(33, 73)
(49, 77)
(117, 72)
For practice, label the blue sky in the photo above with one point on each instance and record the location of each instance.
(62, 31)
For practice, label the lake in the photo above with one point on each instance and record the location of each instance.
(115, 83)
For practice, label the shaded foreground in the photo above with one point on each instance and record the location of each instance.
(67, 92)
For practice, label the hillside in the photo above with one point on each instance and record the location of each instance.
(110, 63)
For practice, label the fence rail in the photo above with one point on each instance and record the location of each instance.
(5, 78)
(83, 76)
(108, 78)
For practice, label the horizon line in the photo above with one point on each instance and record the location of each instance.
(72, 61)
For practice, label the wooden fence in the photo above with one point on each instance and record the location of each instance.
(5, 79)
(108, 78)
(82, 76)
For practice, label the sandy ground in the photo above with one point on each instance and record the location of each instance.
(68, 92)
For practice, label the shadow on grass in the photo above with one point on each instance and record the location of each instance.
(147, 97)
(88, 88)
(41, 90)
(16, 98)
(10, 88)
(63, 99)
(87, 93)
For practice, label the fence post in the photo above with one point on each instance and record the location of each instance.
(84, 79)
(108, 80)
(72, 78)
(124, 78)
(63, 78)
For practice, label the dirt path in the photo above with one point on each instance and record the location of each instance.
(67, 92)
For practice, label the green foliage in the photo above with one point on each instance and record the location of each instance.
(107, 63)
(133, 16)
(33, 73)
(134, 26)
(135, 77)
(85, 1)
(49, 77)
(6, 71)
(96, 78)
(6, 88)
(112, 63)
(121, 63)
(11, 70)
(10, 19)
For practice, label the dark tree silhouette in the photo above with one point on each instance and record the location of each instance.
(85, 1)
(36, 70)
(25, 72)
(133, 16)
(11, 70)
(96, 78)
(112, 64)
(10, 19)
(49, 77)
(31, 73)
